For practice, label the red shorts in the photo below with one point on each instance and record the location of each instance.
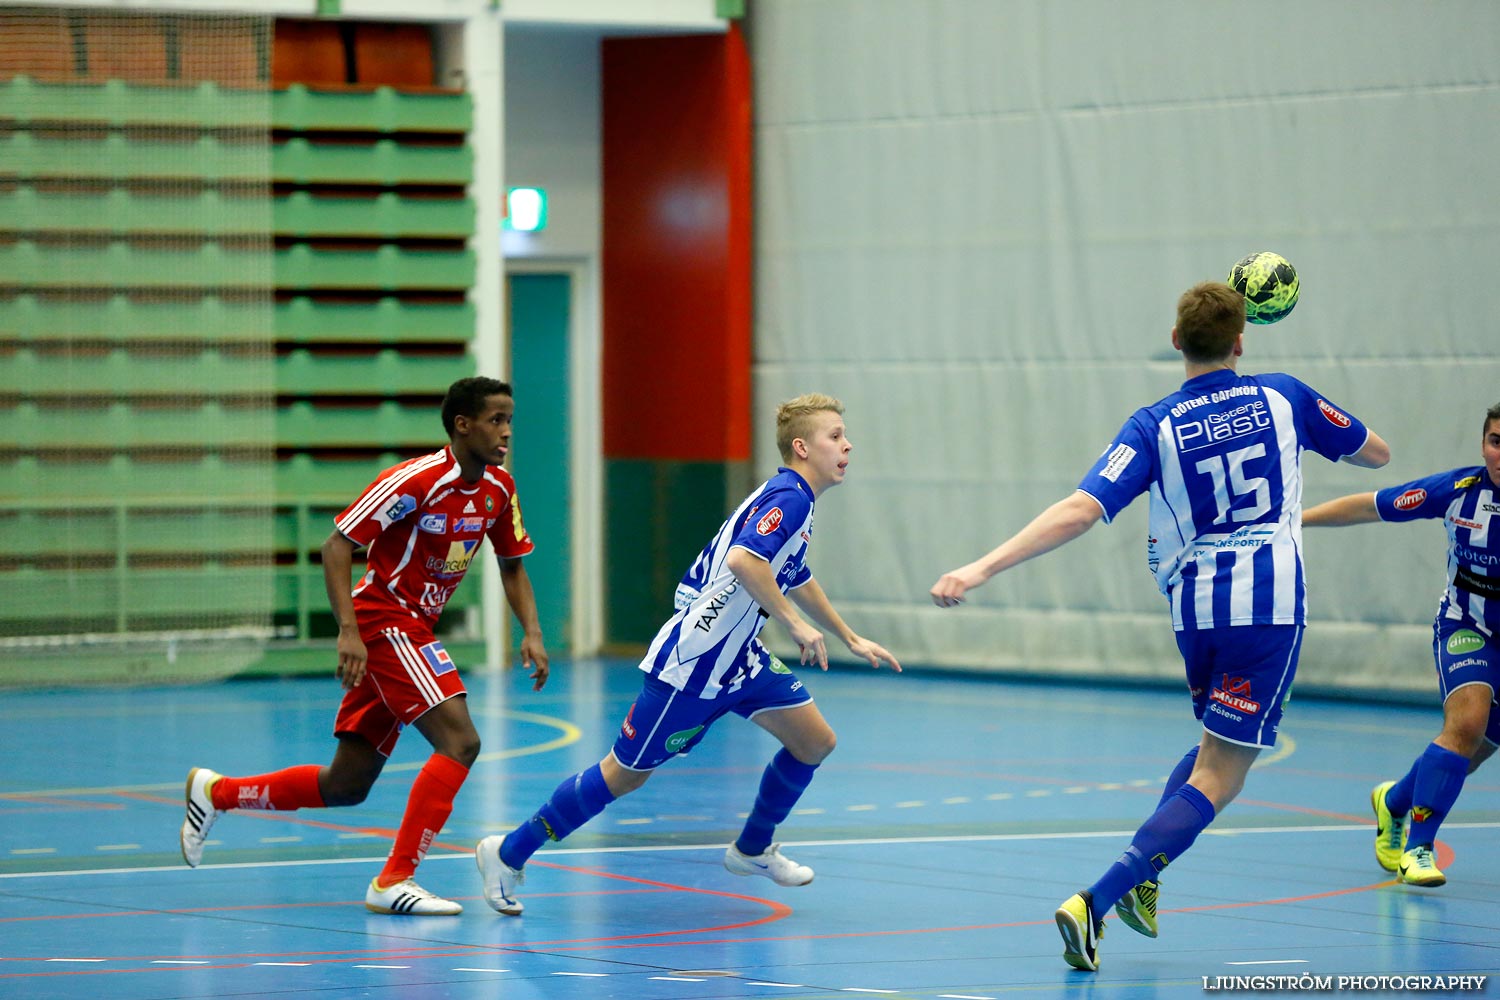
(407, 673)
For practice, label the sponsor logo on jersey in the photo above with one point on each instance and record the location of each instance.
(1118, 460)
(1215, 428)
(1410, 499)
(438, 660)
(434, 596)
(1471, 661)
(1465, 482)
(777, 667)
(516, 526)
(709, 613)
(465, 525)
(489, 503)
(1490, 508)
(469, 508)
(626, 727)
(1464, 641)
(678, 740)
(434, 501)
(398, 508)
(1335, 417)
(1464, 522)
(460, 554)
(769, 522)
(434, 524)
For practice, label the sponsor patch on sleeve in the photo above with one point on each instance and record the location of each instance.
(397, 509)
(1465, 482)
(1410, 500)
(1118, 460)
(769, 522)
(1333, 414)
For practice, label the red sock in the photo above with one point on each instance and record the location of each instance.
(292, 788)
(427, 809)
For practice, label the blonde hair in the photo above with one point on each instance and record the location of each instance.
(794, 419)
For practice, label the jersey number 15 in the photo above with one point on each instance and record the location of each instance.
(1228, 474)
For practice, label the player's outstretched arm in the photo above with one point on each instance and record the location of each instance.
(338, 561)
(754, 574)
(1356, 508)
(814, 602)
(1053, 527)
(522, 601)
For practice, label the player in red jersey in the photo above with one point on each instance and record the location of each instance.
(422, 522)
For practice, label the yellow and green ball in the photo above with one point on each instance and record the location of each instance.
(1269, 283)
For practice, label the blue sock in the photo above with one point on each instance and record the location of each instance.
(1162, 839)
(1398, 796)
(1440, 777)
(1179, 776)
(782, 784)
(574, 802)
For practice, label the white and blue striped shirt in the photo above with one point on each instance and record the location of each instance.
(1469, 504)
(1222, 459)
(701, 650)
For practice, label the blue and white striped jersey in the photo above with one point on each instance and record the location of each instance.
(702, 648)
(1222, 458)
(1469, 504)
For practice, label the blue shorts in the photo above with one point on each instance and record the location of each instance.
(1463, 655)
(664, 722)
(1239, 677)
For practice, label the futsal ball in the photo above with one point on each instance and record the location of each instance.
(1268, 281)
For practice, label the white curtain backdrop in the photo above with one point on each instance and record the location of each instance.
(974, 218)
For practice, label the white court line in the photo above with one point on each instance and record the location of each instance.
(977, 838)
(1273, 961)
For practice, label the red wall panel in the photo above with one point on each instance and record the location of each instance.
(676, 248)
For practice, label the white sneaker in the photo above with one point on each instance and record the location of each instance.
(770, 863)
(200, 813)
(500, 879)
(408, 899)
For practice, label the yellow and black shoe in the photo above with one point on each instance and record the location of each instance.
(1137, 908)
(1390, 829)
(1419, 867)
(1081, 931)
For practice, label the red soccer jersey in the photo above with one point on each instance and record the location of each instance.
(423, 524)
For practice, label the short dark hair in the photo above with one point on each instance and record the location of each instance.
(1210, 315)
(466, 398)
(1490, 416)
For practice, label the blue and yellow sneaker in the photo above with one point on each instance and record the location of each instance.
(1081, 931)
(1390, 829)
(1137, 908)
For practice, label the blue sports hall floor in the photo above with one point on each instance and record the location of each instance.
(953, 818)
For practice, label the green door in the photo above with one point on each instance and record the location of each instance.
(539, 328)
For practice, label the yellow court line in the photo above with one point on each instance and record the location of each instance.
(570, 734)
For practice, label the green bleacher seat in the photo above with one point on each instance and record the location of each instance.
(209, 478)
(387, 216)
(390, 268)
(388, 320)
(382, 110)
(26, 102)
(25, 156)
(33, 319)
(386, 373)
(42, 374)
(392, 425)
(384, 162)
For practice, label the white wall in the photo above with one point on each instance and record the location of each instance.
(973, 220)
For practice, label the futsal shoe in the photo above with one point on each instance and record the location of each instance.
(1390, 829)
(200, 813)
(500, 879)
(770, 863)
(1418, 867)
(406, 898)
(1081, 931)
(1137, 909)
